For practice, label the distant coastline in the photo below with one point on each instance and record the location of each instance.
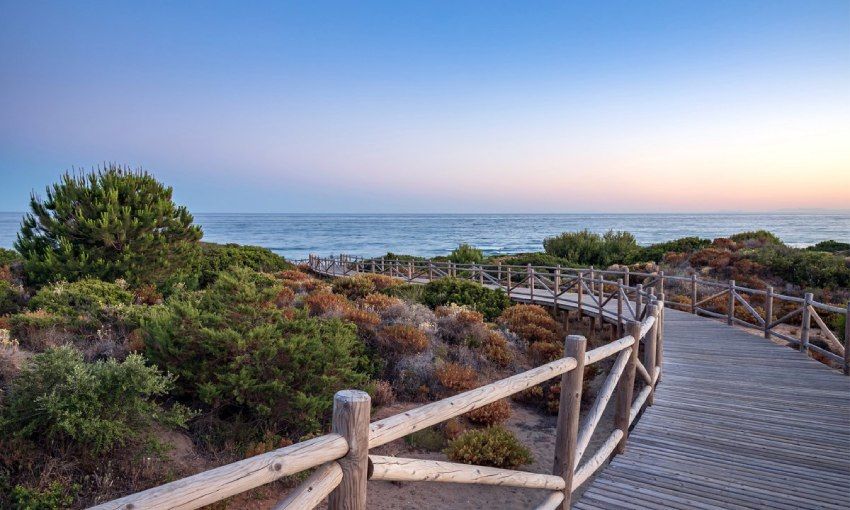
(294, 235)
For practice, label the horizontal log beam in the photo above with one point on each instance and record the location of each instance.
(314, 489)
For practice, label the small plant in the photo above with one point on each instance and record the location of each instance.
(326, 303)
(11, 298)
(460, 325)
(402, 339)
(588, 248)
(54, 497)
(91, 407)
(382, 393)
(354, 287)
(494, 446)
(496, 349)
(219, 257)
(491, 414)
(657, 252)
(364, 319)
(456, 377)
(86, 297)
(379, 303)
(756, 238)
(466, 254)
(382, 282)
(447, 291)
(531, 323)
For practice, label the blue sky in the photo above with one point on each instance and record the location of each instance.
(435, 106)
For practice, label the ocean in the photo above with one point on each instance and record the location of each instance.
(297, 235)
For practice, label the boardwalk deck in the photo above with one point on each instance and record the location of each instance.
(738, 422)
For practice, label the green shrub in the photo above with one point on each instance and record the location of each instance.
(110, 224)
(11, 299)
(756, 238)
(839, 325)
(59, 399)
(241, 357)
(830, 247)
(466, 254)
(354, 287)
(9, 257)
(806, 268)
(54, 497)
(588, 248)
(494, 446)
(84, 297)
(218, 257)
(446, 291)
(655, 252)
(408, 291)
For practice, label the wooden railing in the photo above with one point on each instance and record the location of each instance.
(341, 458)
(759, 309)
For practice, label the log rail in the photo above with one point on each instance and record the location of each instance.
(341, 458)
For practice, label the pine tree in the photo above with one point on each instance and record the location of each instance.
(108, 224)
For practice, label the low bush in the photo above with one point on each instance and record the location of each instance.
(588, 248)
(447, 291)
(537, 259)
(491, 414)
(354, 287)
(85, 299)
(218, 257)
(460, 325)
(382, 393)
(59, 400)
(494, 446)
(756, 238)
(402, 339)
(830, 247)
(657, 252)
(382, 282)
(806, 268)
(456, 377)
(408, 292)
(379, 303)
(466, 254)
(53, 497)
(240, 357)
(9, 257)
(327, 304)
(11, 298)
(39, 330)
(496, 349)
(532, 323)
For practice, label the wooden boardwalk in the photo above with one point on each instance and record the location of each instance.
(738, 422)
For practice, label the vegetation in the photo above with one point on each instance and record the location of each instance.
(466, 254)
(656, 252)
(830, 247)
(240, 356)
(592, 249)
(494, 446)
(447, 291)
(219, 257)
(59, 401)
(110, 224)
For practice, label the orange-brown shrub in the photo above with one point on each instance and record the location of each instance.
(6, 273)
(364, 319)
(453, 428)
(460, 325)
(544, 352)
(379, 302)
(491, 414)
(322, 303)
(712, 257)
(724, 243)
(454, 376)
(383, 282)
(285, 297)
(293, 275)
(496, 349)
(382, 393)
(532, 323)
(402, 339)
(353, 287)
(147, 295)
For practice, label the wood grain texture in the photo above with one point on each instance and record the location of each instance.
(314, 489)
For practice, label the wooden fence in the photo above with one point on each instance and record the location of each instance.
(788, 318)
(342, 460)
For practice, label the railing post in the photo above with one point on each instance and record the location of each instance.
(557, 289)
(626, 275)
(499, 273)
(531, 282)
(768, 311)
(592, 282)
(847, 340)
(568, 415)
(807, 322)
(481, 274)
(625, 389)
(383, 268)
(620, 307)
(410, 270)
(351, 421)
(730, 308)
(638, 301)
(694, 294)
(659, 338)
(580, 285)
(601, 296)
(649, 350)
(430, 270)
(660, 286)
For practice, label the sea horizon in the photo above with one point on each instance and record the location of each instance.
(295, 235)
